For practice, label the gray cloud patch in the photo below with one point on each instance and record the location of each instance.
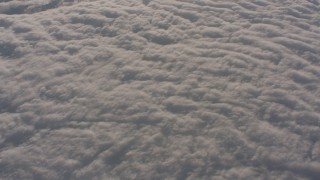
(152, 89)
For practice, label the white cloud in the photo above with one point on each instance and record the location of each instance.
(155, 89)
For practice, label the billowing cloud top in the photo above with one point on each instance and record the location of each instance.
(160, 89)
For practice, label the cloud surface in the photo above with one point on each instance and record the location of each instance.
(150, 89)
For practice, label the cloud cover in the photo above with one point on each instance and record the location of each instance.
(184, 89)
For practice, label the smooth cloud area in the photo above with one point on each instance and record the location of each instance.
(160, 89)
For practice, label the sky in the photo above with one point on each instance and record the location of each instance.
(159, 89)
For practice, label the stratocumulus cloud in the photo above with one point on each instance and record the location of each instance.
(160, 89)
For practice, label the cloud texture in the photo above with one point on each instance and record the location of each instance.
(160, 89)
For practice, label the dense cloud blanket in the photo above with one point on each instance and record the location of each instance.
(159, 89)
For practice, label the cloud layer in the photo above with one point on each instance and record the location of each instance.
(151, 89)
